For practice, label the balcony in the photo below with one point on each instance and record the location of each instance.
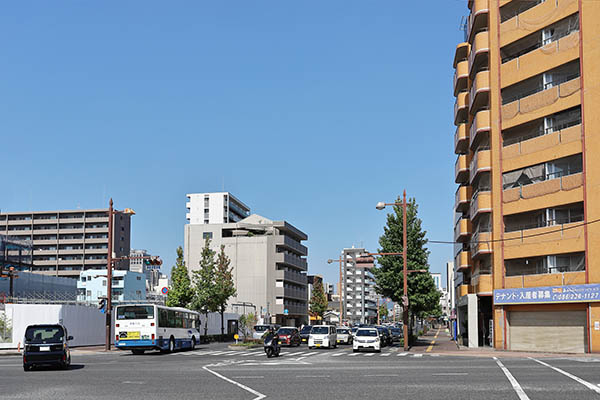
(482, 161)
(481, 202)
(461, 53)
(545, 100)
(463, 261)
(480, 90)
(283, 258)
(566, 189)
(462, 198)
(481, 244)
(291, 244)
(479, 128)
(291, 293)
(542, 145)
(478, 20)
(461, 77)
(463, 229)
(556, 239)
(549, 56)
(461, 168)
(292, 309)
(463, 290)
(479, 55)
(482, 284)
(461, 108)
(290, 276)
(461, 139)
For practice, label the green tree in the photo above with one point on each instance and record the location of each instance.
(318, 300)
(423, 296)
(383, 312)
(180, 294)
(224, 285)
(203, 281)
(247, 323)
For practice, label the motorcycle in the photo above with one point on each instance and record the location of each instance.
(271, 346)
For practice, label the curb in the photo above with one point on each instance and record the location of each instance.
(243, 348)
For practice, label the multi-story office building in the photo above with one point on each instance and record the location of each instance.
(215, 208)
(525, 114)
(127, 286)
(358, 293)
(450, 287)
(68, 242)
(268, 261)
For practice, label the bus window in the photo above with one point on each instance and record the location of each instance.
(163, 318)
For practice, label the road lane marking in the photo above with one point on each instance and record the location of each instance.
(258, 395)
(418, 355)
(430, 346)
(353, 354)
(512, 380)
(451, 374)
(369, 354)
(402, 354)
(565, 373)
(386, 354)
(341, 353)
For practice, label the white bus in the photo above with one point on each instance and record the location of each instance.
(141, 327)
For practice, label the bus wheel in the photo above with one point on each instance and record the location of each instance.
(137, 352)
(171, 345)
(193, 342)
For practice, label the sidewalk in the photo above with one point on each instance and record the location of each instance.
(439, 341)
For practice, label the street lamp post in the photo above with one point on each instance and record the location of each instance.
(381, 206)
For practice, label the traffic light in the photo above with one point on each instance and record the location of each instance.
(152, 261)
(366, 261)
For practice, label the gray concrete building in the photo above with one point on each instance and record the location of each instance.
(268, 260)
(68, 242)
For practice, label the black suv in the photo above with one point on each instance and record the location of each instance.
(46, 345)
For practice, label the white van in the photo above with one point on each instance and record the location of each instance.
(322, 336)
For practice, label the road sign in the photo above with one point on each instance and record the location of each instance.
(286, 311)
(236, 336)
(165, 290)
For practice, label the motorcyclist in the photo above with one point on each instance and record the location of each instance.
(271, 337)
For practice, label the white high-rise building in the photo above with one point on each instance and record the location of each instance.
(215, 208)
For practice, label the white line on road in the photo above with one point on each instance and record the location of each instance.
(451, 373)
(338, 354)
(258, 395)
(512, 380)
(369, 354)
(385, 354)
(402, 354)
(575, 378)
(353, 354)
(418, 355)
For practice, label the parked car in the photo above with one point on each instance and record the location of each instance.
(396, 334)
(259, 330)
(46, 345)
(385, 335)
(289, 335)
(344, 335)
(367, 339)
(322, 336)
(305, 332)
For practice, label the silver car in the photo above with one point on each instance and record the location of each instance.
(344, 336)
(259, 330)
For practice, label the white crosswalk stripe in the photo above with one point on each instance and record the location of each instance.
(402, 354)
(369, 354)
(418, 355)
(353, 354)
(386, 354)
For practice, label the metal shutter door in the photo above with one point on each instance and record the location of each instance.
(556, 331)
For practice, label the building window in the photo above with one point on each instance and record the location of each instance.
(206, 221)
(207, 235)
(139, 278)
(103, 282)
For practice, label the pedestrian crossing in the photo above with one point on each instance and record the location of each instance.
(241, 354)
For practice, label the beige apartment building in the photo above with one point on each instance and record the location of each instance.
(68, 242)
(526, 115)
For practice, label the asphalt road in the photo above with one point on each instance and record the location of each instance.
(214, 372)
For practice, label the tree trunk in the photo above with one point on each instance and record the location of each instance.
(206, 326)
(222, 324)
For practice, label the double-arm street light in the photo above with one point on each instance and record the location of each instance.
(381, 206)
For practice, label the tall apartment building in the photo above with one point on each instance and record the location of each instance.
(526, 87)
(215, 208)
(68, 242)
(268, 261)
(360, 298)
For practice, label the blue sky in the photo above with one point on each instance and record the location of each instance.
(308, 111)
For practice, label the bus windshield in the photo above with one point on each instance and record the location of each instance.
(135, 312)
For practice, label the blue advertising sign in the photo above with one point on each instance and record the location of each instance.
(548, 294)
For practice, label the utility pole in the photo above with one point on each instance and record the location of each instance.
(404, 256)
(109, 267)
